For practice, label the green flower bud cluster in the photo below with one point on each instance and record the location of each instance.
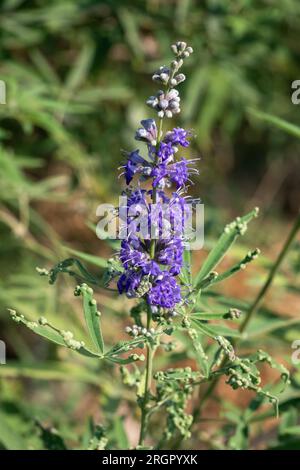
(181, 49)
(83, 287)
(99, 440)
(183, 375)
(42, 271)
(132, 377)
(144, 286)
(193, 334)
(70, 341)
(174, 388)
(137, 357)
(227, 347)
(239, 226)
(163, 75)
(139, 331)
(167, 102)
(43, 325)
(159, 313)
(233, 314)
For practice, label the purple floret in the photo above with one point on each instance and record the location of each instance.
(147, 133)
(179, 173)
(165, 152)
(165, 292)
(129, 282)
(178, 136)
(135, 164)
(170, 253)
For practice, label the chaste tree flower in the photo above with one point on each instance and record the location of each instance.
(152, 251)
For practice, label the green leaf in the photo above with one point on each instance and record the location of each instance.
(51, 438)
(251, 255)
(216, 330)
(96, 260)
(185, 274)
(49, 371)
(92, 316)
(231, 232)
(209, 316)
(239, 440)
(270, 325)
(9, 436)
(119, 433)
(53, 334)
(292, 431)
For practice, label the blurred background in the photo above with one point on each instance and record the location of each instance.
(77, 74)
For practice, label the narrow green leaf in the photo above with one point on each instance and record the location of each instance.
(9, 436)
(276, 121)
(185, 274)
(48, 371)
(209, 316)
(292, 431)
(120, 433)
(49, 332)
(96, 260)
(231, 232)
(216, 330)
(92, 316)
(237, 267)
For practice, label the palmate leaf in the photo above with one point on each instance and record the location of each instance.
(231, 232)
(219, 299)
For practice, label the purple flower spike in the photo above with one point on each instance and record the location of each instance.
(153, 222)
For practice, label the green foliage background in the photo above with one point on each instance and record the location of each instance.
(77, 74)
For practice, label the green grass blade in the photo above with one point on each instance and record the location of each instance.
(277, 122)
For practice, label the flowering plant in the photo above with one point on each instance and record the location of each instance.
(153, 266)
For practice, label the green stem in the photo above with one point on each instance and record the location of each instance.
(147, 390)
